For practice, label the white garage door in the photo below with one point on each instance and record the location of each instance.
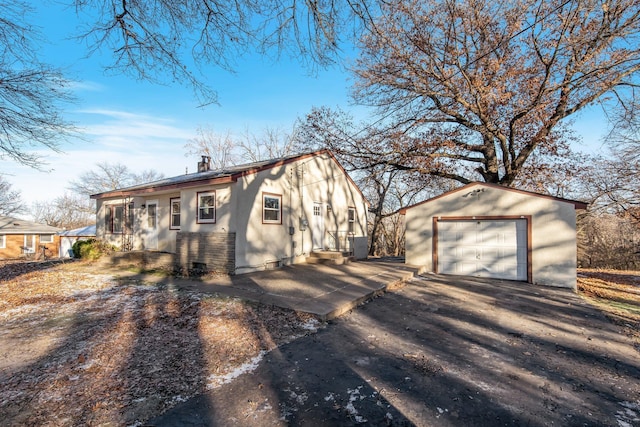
(483, 248)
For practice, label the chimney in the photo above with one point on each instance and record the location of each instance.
(205, 164)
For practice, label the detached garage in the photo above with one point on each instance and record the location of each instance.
(487, 230)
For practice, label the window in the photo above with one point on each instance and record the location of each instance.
(118, 216)
(175, 214)
(352, 220)
(46, 238)
(3, 241)
(207, 207)
(115, 220)
(271, 208)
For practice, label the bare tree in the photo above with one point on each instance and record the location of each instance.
(474, 88)
(221, 148)
(10, 200)
(68, 211)
(31, 93)
(152, 38)
(110, 176)
(369, 158)
(272, 143)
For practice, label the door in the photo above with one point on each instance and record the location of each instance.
(151, 225)
(483, 248)
(29, 243)
(317, 230)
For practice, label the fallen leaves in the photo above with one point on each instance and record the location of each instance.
(79, 348)
(617, 293)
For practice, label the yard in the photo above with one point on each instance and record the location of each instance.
(80, 348)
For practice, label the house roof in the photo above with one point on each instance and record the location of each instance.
(575, 203)
(88, 231)
(220, 176)
(10, 225)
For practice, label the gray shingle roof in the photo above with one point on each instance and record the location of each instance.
(227, 172)
(10, 225)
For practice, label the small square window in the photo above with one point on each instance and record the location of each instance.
(271, 208)
(207, 207)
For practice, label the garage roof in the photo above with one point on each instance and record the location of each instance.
(471, 186)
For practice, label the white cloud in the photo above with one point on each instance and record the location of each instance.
(138, 141)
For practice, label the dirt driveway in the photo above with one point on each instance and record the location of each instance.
(441, 352)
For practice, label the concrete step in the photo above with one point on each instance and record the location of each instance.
(330, 257)
(329, 254)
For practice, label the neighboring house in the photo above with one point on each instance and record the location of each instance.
(21, 238)
(487, 230)
(69, 237)
(242, 218)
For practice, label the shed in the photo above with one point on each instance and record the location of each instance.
(487, 230)
(69, 237)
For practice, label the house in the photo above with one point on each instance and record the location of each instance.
(487, 230)
(69, 237)
(242, 218)
(21, 238)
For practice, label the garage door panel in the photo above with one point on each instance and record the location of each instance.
(483, 248)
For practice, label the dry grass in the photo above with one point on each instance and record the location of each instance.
(79, 348)
(617, 293)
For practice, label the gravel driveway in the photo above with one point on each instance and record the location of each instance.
(441, 351)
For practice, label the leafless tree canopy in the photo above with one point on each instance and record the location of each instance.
(10, 200)
(221, 148)
(110, 176)
(31, 93)
(152, 38)
(476, 87)
(68, 211)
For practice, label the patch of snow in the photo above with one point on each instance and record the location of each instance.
(355, 395)
(440, 410)
(300, 398)
(629, 416)
(214, 381)
(310, 325)
(329, 397)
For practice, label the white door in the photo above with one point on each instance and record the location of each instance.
(151, 225)
(29, 243)
(317, 230)
(483, 248)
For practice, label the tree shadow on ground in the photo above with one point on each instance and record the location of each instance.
(442, 351)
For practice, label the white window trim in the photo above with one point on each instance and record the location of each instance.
(30, 249)
(172, 213)
(351, 223)
(265, 209)
(206, 220)
(3, 241)
(47, 236)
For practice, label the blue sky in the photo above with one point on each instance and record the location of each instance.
(146, 126)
